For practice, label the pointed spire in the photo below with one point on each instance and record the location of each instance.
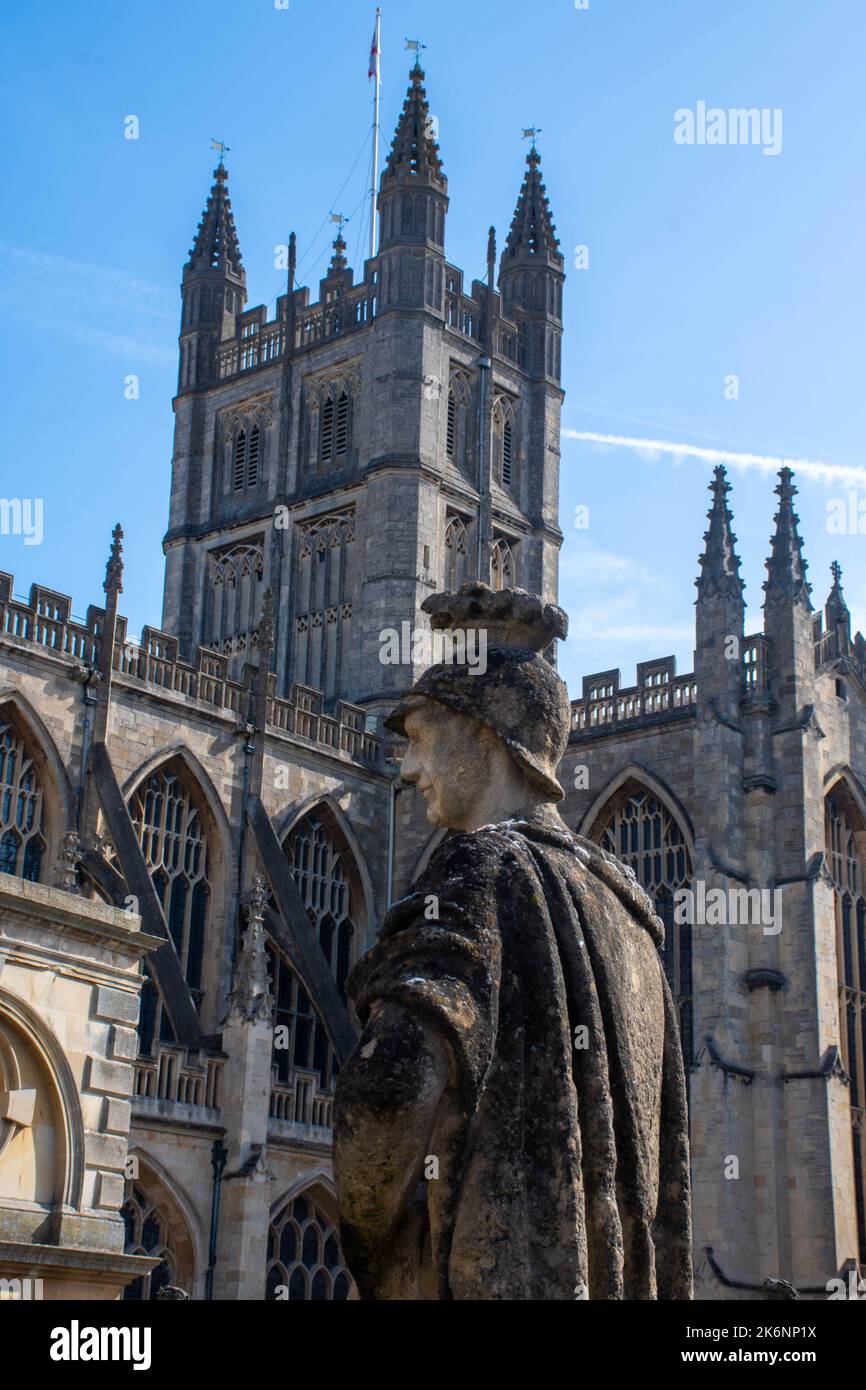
(720, 564)
(251, 997)
(114, 569)
(533, 232)
(836, 609)
(786, 568)
(414, 152)
(216, 241)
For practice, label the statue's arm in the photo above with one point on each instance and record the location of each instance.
(389, 1098)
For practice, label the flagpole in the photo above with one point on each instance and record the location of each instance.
(373, 190)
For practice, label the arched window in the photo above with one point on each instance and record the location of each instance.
(457, 421)
(245, 448)
(234, 602)
(147, 1234)
(640, 830)
(22, 812)
(501, 565)
(334, 426)
(305, 1262)
(322, 869)
(456, 547)
(505, 442)
(843, 827)
(323, 609)
(173, 842)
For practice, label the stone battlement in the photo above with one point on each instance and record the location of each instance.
(45, 619)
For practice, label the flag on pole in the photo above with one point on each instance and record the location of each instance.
(373, 70)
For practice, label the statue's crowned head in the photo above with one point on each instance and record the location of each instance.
(514, 694)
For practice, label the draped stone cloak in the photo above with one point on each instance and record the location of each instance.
(561, 1138)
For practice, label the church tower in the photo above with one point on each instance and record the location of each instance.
(357, 453)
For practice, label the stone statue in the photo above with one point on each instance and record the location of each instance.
(512, 1123)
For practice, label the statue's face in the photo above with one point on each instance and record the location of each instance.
(447, 760)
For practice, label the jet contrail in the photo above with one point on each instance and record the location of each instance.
(764, 463)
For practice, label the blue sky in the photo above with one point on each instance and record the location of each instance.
(704, 261)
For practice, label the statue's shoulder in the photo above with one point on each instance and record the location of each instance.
(622, 881)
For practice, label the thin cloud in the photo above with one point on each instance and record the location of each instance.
(762, 463)
(152, 298)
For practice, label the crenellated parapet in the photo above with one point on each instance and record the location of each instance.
(45, 620)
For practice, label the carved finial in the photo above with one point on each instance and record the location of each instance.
(491, 257)
(836, 609)
(114, 569)
(251, 997)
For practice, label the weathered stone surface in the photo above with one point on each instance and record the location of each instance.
(512, 1124)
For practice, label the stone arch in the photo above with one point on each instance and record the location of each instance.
(179, 760)
(845, 775)
(637, 819)
(310, 1180)
(66, 1105)
(183, 1223)
(304, 1252)
(339, 822)
(618, 790)
(58, 800)
(196, 772)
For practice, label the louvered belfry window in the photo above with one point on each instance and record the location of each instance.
(240, 459)
(507, 454)
(253, 456)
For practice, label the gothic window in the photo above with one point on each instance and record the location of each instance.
(245, 444)
(334, 426)
(457, 432)
(321, 865)
(844, 826)
(507, 453)
(505, 442)
(22, 812)
(234, 602)
(323, 607)
(147, 1234)
(643, 834)
(456, 546)
(502, 568)
(305, 1262)
(326, 434)
(173, 842)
